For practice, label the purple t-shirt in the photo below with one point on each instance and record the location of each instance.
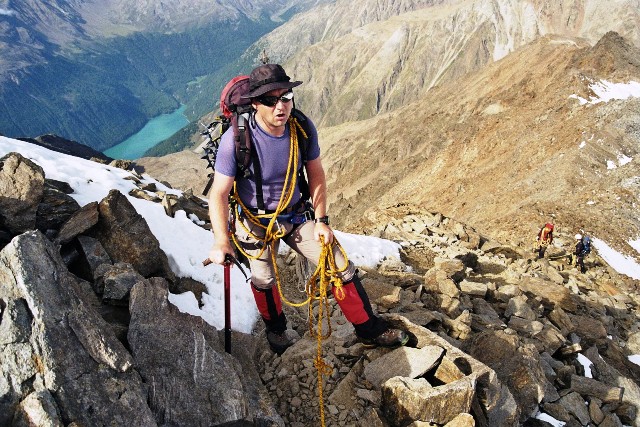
(273, 155)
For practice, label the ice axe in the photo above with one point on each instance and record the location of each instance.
(228, 260)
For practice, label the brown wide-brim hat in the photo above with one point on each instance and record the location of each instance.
(268, 77)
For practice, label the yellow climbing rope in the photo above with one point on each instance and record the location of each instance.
(326, 273)
(317, 289)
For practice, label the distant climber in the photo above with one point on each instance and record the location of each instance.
(583, 247)
(544, 239)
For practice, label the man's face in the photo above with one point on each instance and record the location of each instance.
(275, 117)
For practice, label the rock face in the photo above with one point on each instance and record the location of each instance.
(406, 48)
(496, 335)
(67, 350)
(126, 236)
(62, 362)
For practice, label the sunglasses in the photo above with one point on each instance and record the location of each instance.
(271, 101)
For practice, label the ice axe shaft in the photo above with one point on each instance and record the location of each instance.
(228, 260)
(227, 307)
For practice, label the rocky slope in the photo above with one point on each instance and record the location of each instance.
(496, 336)
(504, 149)
(68, 24)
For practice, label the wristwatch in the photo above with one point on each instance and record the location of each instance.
(322, 219)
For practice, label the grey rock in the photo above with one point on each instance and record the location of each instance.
(54, 209)
(37, 409)
(475, 289)
(518, 306)
(499, 405)
(405, 362)
(551, 294)
(55, 355)
(15, 322)
(93, 255)
(118, 280)
(81, 220)
(405, 400)
(575, 405)
(590, 387)
(187, 374)
(611, 376)
(22, 187)
(507, 292)
(126, 237)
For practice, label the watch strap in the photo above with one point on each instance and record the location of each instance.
(322, 219)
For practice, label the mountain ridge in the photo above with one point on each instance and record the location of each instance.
(96, 72)
(398, 60)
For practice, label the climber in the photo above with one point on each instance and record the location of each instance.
(583, 248)
(263, 197)
(544, 239)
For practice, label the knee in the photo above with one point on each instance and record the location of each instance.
(347, 275)
(262, 284)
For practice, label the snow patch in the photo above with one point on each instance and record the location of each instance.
(623, 159)
(623, 264)
(586, 364)
(549, 419)
(606, 91)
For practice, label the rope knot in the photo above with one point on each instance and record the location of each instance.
(322, 366)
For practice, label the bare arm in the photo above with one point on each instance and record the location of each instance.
(318, 190)
(219, 216)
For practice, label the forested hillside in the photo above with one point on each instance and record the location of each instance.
(101, 97)
(96, 72)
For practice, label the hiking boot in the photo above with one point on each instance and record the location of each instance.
(389, 338)
(279, 342)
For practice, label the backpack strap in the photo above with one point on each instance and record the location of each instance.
(246, 155)
(242, 140)
(303, 146)
(257, 175)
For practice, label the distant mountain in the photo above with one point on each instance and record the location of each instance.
(504, 148)
(95, 72)
(359, 62)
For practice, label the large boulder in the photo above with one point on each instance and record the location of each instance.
(498, 404)
(126, 237)
(189, 377)
(21, 189)
(59, 344)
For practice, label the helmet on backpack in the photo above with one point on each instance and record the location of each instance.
(578, 236)
(231, 100)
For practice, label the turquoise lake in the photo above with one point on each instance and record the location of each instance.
(156, 130)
